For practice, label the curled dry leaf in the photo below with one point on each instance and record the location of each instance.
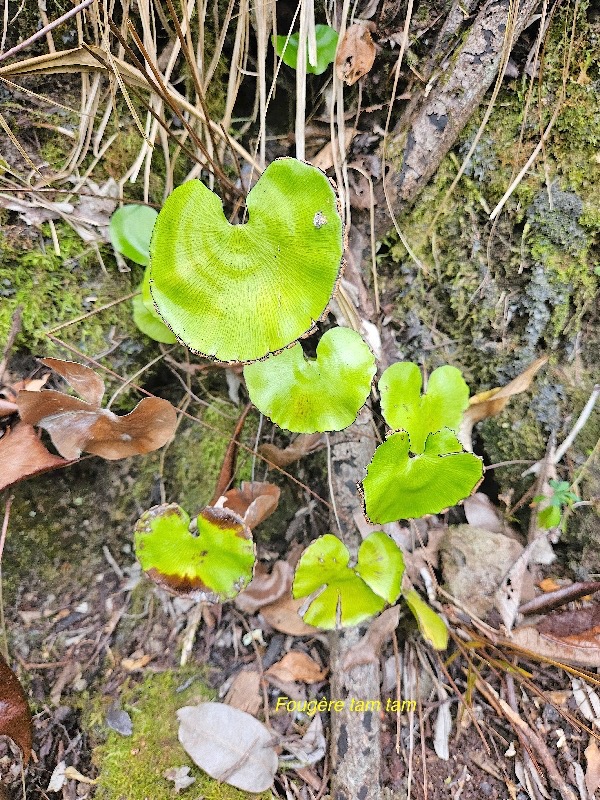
(368, 649)
(302, 445)
(254, 501)
(283, 616)
(571, 637)
(297, 666)
(22, 455)
(229, 745)
(356, 53)
(15, 717)
(265, 588)
(490, 403)
(592, 773)
(77, 426)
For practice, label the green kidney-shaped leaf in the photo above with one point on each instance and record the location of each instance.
(398, 486)
(130, 230)
(241, 292)
(340, 595)
(405, 408)
(327, 39)
(309, 395)
(432, 626)
(210, 561)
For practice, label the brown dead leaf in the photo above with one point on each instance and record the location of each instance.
(7, 408)
(265, 587)
(22, 455)
(368, 649)
(572, 637)
(136, 664)
(302, 445)
(297, 666)
(244, 692)
(490, 403)
(283, 616)
(356, 53)
(79, 377)
(254, 501)
(77, 426)
(592, 773)
(15, 717)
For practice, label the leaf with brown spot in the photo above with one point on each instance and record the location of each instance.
(23, 455)
(77, 426)
(303, 445)
(254, 501)
(15, 717)
(210, 559)
(297, 666)
(356, 53)
(265, 587)
(490, 403)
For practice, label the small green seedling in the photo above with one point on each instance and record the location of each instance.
(309, 395)
(421, 468)
(130, 233)
(287, 49)
(339, 595)
(210, 559)
(242, 292)
(562, 497)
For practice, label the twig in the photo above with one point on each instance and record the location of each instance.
(46, 29)
(560, 451)
(3, 533)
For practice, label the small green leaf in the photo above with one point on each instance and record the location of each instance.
(432, 626)
(327, 39)
(130, 230)
(549, 517)
(309, 395)
(150, 323)
(400, 487)
(340, 595)
(145, 316)
(241, 292)
(404, 408)
(211, 564)
(381, 565)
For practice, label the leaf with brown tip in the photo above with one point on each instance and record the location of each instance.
(15, 717)
(80, 378)
(23, 455)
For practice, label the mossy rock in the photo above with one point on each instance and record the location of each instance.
(132, 767)
(491, 301)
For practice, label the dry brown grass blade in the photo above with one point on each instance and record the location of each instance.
(4, 124)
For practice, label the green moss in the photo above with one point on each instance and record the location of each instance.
(132, 767)
(52, 289)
